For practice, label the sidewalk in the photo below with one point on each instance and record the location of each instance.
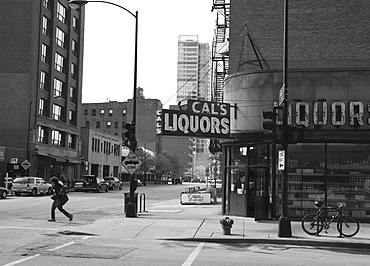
(173, 221)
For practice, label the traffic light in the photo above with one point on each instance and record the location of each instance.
(130, 140)
(269, 125)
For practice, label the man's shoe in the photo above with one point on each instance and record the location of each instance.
(70, 217)
(51, 220)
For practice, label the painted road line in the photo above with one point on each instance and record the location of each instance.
(37, 255)
(28, 228)
(21, 260)
(189, 261)
(61, 246)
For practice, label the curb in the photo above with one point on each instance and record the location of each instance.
(293, 241)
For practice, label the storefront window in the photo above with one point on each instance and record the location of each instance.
(348, 178)
(334, 173)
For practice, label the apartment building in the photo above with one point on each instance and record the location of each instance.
(41, 59)
(193, 82)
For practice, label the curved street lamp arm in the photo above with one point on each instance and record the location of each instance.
(80, 3)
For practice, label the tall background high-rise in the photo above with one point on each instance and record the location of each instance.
(194, 82)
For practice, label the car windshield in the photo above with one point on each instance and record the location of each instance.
(108, 178)
(21, 180)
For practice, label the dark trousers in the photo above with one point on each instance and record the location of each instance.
(56, 204)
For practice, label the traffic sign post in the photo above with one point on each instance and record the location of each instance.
(282, 95)
(131, 163)
(26, 164)
(281, 160)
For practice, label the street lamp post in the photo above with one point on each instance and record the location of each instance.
(75, 4)
(284, 222)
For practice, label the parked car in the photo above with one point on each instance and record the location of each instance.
(113, 182)
(31, 185)
(93, 183)
(3, 192)
(78, 185)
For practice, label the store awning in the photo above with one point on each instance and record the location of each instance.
(57, 159)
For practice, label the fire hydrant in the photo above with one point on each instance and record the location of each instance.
(226, 225)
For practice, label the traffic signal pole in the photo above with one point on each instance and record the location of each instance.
(131, 210)
(285, 229)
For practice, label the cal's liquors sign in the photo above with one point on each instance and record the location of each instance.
(197, 119)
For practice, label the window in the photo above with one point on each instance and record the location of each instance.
(61, 12)
(97, 124)
(57, 112)
(56, 137)
(72, 117)
(109, 124)
(110, 112)
(44, 53)
(75, 25)
(86, 112)
(59, 62)
(41, 138)
(93, 112)
(46, 4)
(102, 111)
(44, 78)
(87, 123)
(60, 37)
(46, 26)
(74, 48)
(116, 124)
(72, 95)
(74, 71)
(123, 112)
(71, 141)
(41, 110)
(58, 88)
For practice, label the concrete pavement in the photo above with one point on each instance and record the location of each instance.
(172, 221)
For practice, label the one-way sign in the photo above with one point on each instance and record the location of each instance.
(131, 162)
(281, 160)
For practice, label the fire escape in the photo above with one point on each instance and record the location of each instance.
(220, 48)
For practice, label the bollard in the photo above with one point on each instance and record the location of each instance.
(226, 225)
(142, 198)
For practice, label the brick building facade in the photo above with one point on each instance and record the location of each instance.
(328, 112)
(40, 82)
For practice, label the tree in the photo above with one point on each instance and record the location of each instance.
(167, 165)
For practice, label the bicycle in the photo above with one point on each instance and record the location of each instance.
(313, 224)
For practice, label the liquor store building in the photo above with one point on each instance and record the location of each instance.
(329, 143)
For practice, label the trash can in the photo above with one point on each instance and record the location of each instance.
(127, 200)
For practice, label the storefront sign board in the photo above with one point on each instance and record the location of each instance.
(195, 198)
(197, 119)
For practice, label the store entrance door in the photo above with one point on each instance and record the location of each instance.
(258, 186)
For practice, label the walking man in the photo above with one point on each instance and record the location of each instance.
(59, 199)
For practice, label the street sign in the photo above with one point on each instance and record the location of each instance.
(13, 160)
(282, 95)
(131, 162)
(26, 164)
(281, 160)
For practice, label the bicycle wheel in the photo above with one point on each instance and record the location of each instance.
(350, 226)
(309, 224)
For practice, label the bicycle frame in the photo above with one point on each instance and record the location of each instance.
(324, 210)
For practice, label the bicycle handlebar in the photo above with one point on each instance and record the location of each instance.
(319, 204)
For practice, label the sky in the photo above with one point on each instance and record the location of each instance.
(108, 73)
